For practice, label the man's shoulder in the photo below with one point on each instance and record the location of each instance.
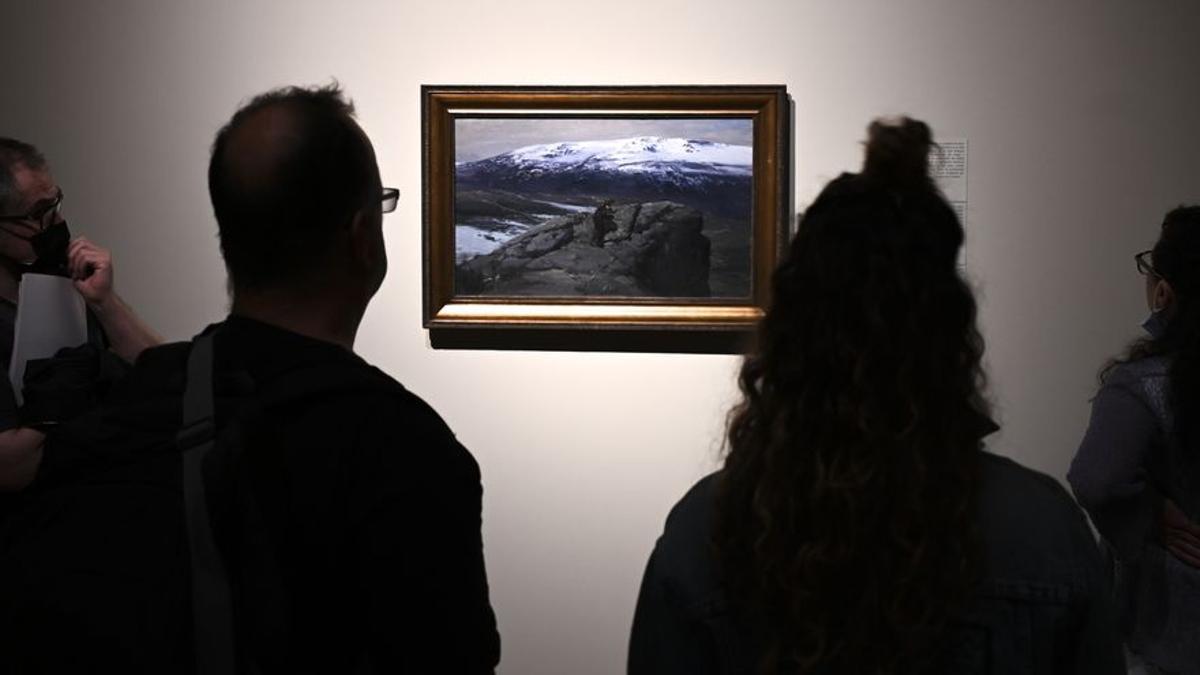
(395, 432)
(290, 374)
(380, 397)
(382, 411)
(341, 384)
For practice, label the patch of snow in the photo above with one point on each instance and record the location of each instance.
(574, 208)
(470, 241)
(628, 154)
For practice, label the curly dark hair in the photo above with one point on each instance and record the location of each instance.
(1176, 260)
(846, 522)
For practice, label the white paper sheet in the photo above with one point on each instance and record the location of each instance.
(948, 164)
(50, 315)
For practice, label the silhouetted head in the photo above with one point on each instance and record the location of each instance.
(1173, 280)
(293, 181)
(29, 199)
(847, 498)
(17, 157)
(1173, 293)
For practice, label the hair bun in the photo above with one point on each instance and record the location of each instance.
(898, 152)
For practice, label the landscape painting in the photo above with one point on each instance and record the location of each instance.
(570, 207)
(643, 218)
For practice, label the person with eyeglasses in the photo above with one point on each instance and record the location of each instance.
(1137, 470)
(344, 515)
(34, 238)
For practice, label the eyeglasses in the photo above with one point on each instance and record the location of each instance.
(391, 197)
(44, 213)
(1143, 263)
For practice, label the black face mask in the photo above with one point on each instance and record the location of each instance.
(50, 248)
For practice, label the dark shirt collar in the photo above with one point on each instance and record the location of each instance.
(265, 350)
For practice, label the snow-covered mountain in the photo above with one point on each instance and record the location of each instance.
(644, 167)
(644, 153)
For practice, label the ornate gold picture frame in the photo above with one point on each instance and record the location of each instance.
(576, 211)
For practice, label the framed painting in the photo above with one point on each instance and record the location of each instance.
(578, 210)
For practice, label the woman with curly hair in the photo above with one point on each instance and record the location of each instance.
(1137, 471)
(857, 526)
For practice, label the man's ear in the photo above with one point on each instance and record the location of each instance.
(361, 237)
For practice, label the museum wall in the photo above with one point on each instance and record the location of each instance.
(1081, 122)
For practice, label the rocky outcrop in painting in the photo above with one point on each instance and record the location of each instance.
(632, 250)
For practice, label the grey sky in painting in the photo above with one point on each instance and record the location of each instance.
(477, 138)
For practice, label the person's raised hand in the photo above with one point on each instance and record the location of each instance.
(90, 267)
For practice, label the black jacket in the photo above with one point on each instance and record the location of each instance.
(371, 506)
(1042, 608)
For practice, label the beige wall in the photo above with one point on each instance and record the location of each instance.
(1081, 118)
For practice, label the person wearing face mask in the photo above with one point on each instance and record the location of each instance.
(34, 238)
(1137, 471)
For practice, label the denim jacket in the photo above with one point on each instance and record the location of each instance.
(1041, 608)
(1128, 463)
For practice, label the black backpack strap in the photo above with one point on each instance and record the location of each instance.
(257, 569)
(212, 604)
